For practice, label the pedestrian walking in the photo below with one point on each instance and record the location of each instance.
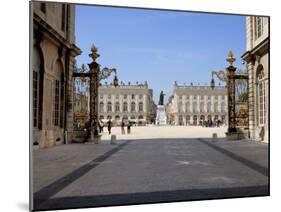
(122, 127)
(129, 128)
(101, 125)
(109, 125)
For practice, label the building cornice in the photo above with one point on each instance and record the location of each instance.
(259, 50)
(51, 33)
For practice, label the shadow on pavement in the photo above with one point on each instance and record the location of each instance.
(43, 198)
(262, 170)
(45, 193)
(152, 197)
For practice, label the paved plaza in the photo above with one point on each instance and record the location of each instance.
(153, 164)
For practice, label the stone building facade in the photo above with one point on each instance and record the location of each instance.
(53, 54)
(129, 102)
(191, 105)
(257, 58)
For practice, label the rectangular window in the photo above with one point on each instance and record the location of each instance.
(140, 107)
(258, 27)
(43, 7)
(57, 101)
(63, 17)
(35, 98)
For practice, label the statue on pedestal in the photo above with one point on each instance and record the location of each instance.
(161, 98)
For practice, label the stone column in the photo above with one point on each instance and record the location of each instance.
(146, 103)
(251, 99)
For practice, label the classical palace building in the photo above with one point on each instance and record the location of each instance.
(131, 102)
(53, 54)
(191, 105)
(257, 58)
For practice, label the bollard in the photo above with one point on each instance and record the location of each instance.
(113, 139)
(215, 137)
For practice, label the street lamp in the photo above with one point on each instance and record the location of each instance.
(213, 83)
(115, 81)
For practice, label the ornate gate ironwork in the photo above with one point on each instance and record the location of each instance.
(237, 93)
(241, 100)
(94, 76)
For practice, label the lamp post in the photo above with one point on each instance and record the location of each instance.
(95, 75)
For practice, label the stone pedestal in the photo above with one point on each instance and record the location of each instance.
(161, 117)
(240, 134)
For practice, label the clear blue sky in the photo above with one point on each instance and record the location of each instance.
(159, 46)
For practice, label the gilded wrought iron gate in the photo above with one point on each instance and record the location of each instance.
(241, 100)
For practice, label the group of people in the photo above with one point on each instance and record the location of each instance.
(109, 126)
(210, 123)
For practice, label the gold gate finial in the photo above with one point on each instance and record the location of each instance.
(94, 53)
(230, 58)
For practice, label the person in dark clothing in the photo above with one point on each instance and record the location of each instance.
(109, 125)
(101, 125)
(129, 128)
(122, 127)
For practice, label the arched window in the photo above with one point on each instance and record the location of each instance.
(202, 107)
(125, 107)
(195, 107)
(223, 119)
(101, 117)
(180, 120)
(133, 107)
(140, 107)
(140, 117)
(117, 117)
(117, 107)
(109, 107)
(261, 97)
(202, 119)
(58, 94)
(195, 120)
(101, 107)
